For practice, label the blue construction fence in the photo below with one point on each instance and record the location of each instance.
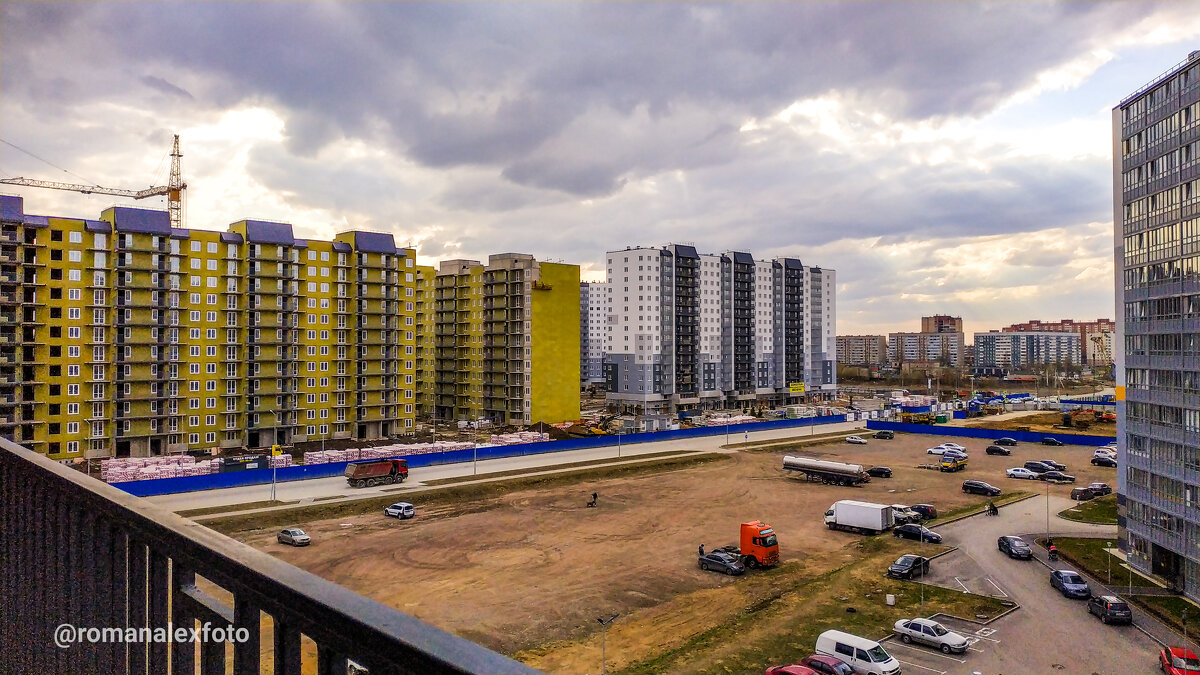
(988, 434)
(216, 481)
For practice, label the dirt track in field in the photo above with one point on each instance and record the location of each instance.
(536, 567)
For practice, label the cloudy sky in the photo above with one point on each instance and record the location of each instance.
(943, 157)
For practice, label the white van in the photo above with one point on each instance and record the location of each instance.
(865, 656)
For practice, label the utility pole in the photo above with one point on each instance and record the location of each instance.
(604, 641)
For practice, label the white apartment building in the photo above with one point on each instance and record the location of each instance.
(593, 313)
(689, 331)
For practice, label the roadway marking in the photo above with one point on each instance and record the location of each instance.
(917, 665)
(964, 586)
(928, 652)
(995, 586)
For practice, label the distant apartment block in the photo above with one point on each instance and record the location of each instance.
(1156, 209)
(1026, 350)
(929, 349)
(862, 350)
(1087, 331)
(123, 336)
(941, 324)
(688, 331)
(505, 340)
(593, 315)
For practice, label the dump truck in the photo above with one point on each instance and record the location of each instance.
(377, 472)
(824, 471)
(859, 517)
(759, 547)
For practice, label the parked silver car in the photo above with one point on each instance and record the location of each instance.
(294, 536)
(932, 633)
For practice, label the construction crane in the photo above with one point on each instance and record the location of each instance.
(173, 189)
(1102, 353)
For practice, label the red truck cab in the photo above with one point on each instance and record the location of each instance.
(759, 547)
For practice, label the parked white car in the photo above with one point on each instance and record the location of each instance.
(855, 440)
(954, 446)
(932, 633)
(400, 510)
(1021, 472)
(936, 450)
(1110, 453)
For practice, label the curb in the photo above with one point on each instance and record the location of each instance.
(964, 516)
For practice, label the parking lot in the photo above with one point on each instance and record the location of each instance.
(1048, 633)
(984, 643)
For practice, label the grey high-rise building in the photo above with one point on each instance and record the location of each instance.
(1156, 212)
(593, 318)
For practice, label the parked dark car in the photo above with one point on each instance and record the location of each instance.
(1038, 467)
(1082, 494)
(918, 532)
(1057, 476)
(979, 487)
(908, 566)
(927, 511)
(1070, 584)
(997, 450)
(721, 561)
(1014, 547)
(1057, 466)
(1110, 609)
(885, 434)
(1104, 461)
(879, 472)
(1052, 441)
(1006, 441)
(1101, 488)
(827, 665)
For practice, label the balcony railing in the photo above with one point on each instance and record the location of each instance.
(79, 552)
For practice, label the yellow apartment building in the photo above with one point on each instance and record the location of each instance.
(500, 342)
(123, 336)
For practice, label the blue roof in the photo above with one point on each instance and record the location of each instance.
(743, 258)
(686, 251)
(141, 221)
(12, 208)
(231, 237)
(374, 242)
(37, 221)
(792, 264)
(263, 232)
(96, 226)
(300, 243)
(342, 247)
(180, 233)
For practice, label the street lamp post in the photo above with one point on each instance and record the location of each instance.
(604, 641)
(1108, 549)
(618, 443)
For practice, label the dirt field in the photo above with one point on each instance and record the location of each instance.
(1046, 422)
(533, 569)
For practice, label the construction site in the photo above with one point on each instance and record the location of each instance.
(526, 568)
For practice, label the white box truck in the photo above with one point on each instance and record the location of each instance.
(859, 517)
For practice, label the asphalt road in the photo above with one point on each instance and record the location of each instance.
(337, 487)
(1049, 633)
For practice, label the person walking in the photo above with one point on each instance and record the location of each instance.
(701, 550)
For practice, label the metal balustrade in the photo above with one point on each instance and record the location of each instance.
(76, 551)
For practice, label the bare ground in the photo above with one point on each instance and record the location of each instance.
(528, 573)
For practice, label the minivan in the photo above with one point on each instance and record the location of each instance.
(861, 654)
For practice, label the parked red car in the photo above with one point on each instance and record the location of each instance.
(794, 669)
(1178, 661)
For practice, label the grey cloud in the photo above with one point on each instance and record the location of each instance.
(471, 84)
(161, 85)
